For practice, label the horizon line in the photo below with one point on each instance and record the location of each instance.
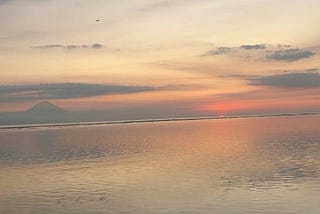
(97, 123)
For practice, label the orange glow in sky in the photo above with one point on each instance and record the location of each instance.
(189, 56)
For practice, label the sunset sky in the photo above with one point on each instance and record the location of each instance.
(169, 57)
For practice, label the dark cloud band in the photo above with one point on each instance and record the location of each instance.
(289, 80)
(292, 54)
(64, 91)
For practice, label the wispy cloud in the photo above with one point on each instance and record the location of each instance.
(70, 47)
(265, 51)
(64, 91)
(252, 47)
(292, 54)
(226, 50)
(238, 76)
(218, 51)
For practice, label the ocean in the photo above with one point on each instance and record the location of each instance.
(240, 165)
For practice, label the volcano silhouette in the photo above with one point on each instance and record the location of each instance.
(46, 107)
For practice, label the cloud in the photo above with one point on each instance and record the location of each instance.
(4, 1)
(277, 52)
(10, 1)
(218, 51)
(289, 80)
(237, 76)
(225, 50)
(64, 91)
(70, 47)
(96, 46)
(292, 54)
(48, 46)
(252, 47)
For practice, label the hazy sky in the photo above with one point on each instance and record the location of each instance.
(191, 56)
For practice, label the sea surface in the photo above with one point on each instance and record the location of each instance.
(249, 165)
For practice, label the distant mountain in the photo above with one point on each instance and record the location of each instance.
(43, 112)
(45, 108)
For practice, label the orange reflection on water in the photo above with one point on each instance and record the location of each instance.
(176, 166)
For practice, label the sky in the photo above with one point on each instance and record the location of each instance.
(167, 57)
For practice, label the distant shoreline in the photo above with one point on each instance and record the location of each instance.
(81, 124)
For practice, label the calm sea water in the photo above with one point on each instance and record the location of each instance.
(254, 165)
